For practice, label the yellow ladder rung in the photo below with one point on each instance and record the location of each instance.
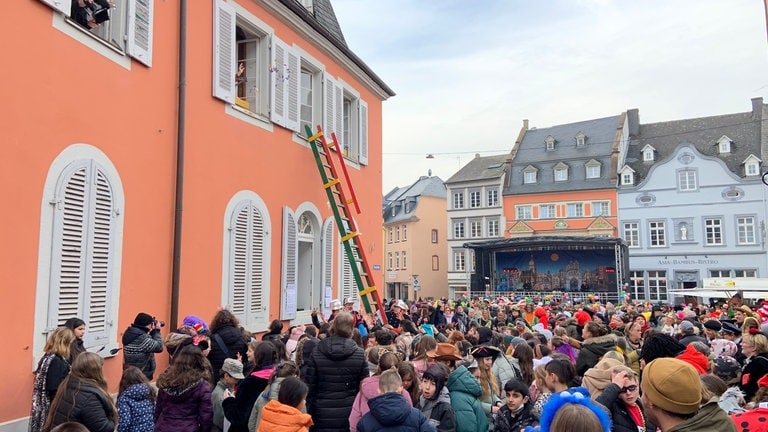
(367, 291)
(315, 137)
(331, 144)
(350, 201)
(349, 236)
(331, 183)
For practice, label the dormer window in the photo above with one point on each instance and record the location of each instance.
(649, 153)
(550, 141)
(752, 165)
(627, 176)
(724, 145)
(561, 172)
(593, 169)
(308, 5)
(529, 174)
(580, 139)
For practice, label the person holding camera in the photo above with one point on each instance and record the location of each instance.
(140, 343)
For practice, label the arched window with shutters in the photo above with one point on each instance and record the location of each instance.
(81, 243)
(247, 260)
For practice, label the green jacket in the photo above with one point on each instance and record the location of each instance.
(465, 392)
(710, 418)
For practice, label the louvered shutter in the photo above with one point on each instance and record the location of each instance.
(81, 267)
(69, 247)
(347, 279)
(99, 277)
(338, 96)
(63, 6)
(257, 307)
(140, 16)
(289, 265)
(238, 271)
(328, 246)
(329, 106)
(224, 55)
(363, 139)
(293, 90)
(278, 78)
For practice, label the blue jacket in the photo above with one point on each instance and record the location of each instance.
(391, 412)
(135, 410)
(465, 392)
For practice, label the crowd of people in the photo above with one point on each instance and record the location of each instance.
(465, 365)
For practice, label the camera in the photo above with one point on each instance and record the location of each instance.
(158, 323)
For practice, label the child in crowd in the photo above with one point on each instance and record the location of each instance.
(516, 413)
(435, 402)
(390, 411)
(285, 414)
(135, 402)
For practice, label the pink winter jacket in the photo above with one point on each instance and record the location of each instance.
(369, 389)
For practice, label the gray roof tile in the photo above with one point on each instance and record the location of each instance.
(431, 186)
(480, 168)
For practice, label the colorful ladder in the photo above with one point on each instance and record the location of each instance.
(340, 204)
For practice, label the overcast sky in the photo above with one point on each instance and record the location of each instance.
(467, 72)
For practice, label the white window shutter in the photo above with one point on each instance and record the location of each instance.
(338, 96)
(347, 279)
(99, 274)
(329, 106)
(224, 56)
(363, 133)
(238, 271)
(293, 90)
(328, 246)
(140, 15)
(257, 308)
(289, 262)
(278, 78)
(63, 6)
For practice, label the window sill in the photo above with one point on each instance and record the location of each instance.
(90, 40)
(248, 117)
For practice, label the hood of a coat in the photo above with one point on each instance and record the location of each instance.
(390, 409)
(132, 333)
(284, 416)
(137, 392)
(178, 391)
(461, 380)
(337, 348)
(600, 344)
(369, 387)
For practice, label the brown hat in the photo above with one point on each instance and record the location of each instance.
(445, 351)
(673, 385)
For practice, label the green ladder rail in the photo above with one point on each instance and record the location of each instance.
(341, 206)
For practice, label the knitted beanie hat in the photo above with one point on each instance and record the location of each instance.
(694, 358)
(672, 385)
(143, 320)
(582, 318)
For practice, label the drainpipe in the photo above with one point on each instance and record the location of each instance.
(180, 141)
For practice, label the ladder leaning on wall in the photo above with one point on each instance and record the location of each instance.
(335, 186)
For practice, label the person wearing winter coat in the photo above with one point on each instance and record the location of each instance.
(52, 369)
(227, 341)
(597, 378)
(435, 400)
(622, 399)
(135, 402)
(184, 394)
(755, 347)
(230, 375)
(284, 370)
(286, 413)
(463, 388)
(390, 411)
(83, 397)
(334, 371)
(140, 343)
(369, 388)
(516, 414)
(237, 408)
(460, 319)
(597, 342)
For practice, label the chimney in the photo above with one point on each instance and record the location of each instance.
(525, 124)
(757, 108)
(633, 121)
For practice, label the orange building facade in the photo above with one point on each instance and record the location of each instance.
(147, 171)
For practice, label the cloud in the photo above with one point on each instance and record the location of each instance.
(467, 73)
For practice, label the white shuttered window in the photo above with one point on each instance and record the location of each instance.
(289, 265)
(247, 287)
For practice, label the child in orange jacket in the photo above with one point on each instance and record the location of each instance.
(284, 414)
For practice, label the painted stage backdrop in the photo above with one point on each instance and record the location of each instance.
(556, 270)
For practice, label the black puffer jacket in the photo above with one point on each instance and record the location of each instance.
(592, 350)
(333, 374)
(235, 342)
(83, 402)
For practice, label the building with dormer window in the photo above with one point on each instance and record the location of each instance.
(565, 189)
(696, 207)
